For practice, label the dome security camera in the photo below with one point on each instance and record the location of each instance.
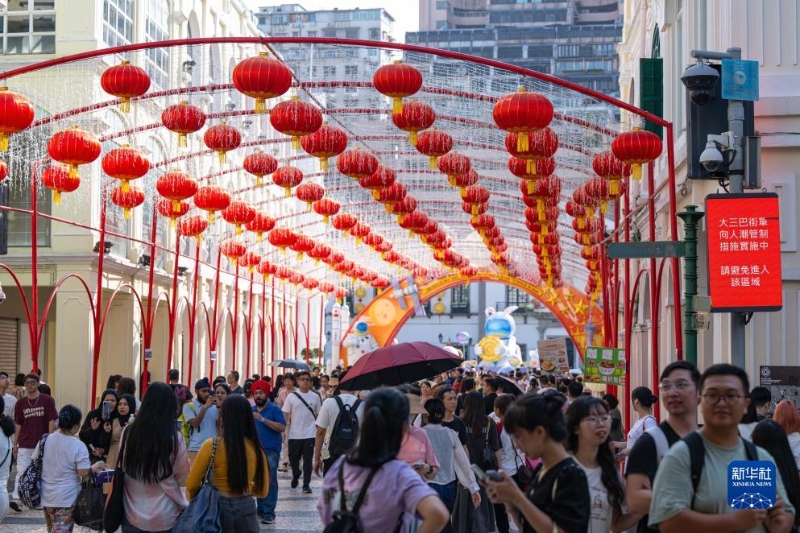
(700, 80)
(711, 158)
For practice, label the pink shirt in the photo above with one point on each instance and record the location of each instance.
(417, 446)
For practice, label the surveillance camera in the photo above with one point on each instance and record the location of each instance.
(700, 79)
(711, 158)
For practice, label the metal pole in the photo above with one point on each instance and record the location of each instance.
(690, 219)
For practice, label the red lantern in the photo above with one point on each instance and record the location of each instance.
(340, 293)
(551, 212)
(344, 222)
(222, 138)
(474, 209)
(282, 238)
(193, 226)
(381, 178)
(522, 113)
(262, 77)
(414, 118)
(475, 195)
(583, 198)
(607, 166)
(522, 169)
(359, 231)
(405, 206)
(380, 282)
(287, 177)
(434, 144)
(302, 245)
(310, 284)
(233, 250)
(397, 81)
(320, 252)
(125, 164)
(326, 287)
(576, 211)
(211, 199)
(467, 179)
(260, 224)
(3, 169)
(172, 210)
(59, 180)
(250, 260)
(295, 118)
(373, 239)
(183, 119)
(266, 269)
(16, 114)
(636, 148)
(125, 81)
(310, 193)
(469, 271)
(327, 207)
(176, 186)
(127, 200)
(74, 147)
(545, 189)
(544, 227)
(326, 142)
(238, 213)
(259, 165)
(597, 188)
(542, 144)
(392, 194)
(452, 164)
(357, 163)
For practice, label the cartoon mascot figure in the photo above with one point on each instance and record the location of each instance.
(359, 342)
(499, 347)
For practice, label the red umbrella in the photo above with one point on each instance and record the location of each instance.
(397, 364)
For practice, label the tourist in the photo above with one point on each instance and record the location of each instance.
(270, 425)
(126, 412)
(511, 458)
(96, 430)
(128, 386)
(328, 448)
(6, 443)
(617, 429)
(9, 399)
(113, 381)
(787, 416)
(201, 416)
(642, 400)
(771, 436)
(233, 382)
(301, 409)
(221, 392)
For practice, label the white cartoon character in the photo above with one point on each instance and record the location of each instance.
(359, 342)
(499, 346)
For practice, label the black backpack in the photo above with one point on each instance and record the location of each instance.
(345, 430)
(345, 521)
(697, 457)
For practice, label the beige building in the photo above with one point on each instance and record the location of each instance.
(38, 30)
(766, 32)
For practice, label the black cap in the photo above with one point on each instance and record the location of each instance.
(202, 384)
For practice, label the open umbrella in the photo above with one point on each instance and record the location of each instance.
(508, 386)
(291, 363)
(397, 364)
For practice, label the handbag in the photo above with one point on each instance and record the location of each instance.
(114, 510)
(489, 458)
(202, 515)
(524, 472)
(30, 484)
(89, 507)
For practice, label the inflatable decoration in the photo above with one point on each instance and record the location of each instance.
(359, 342)
(499, 346)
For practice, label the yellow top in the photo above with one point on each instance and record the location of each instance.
(200, 465)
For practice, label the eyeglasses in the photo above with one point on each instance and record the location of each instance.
(596, 419)
(302, 379)
(729, 398)
(31, 382)
(679, 386)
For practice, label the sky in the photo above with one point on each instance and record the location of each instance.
(404, 12)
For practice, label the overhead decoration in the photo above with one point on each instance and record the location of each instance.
(405, 206)
(636, 148)
(309, 193)
(125, 81)
(542, 144)
(578, 212)
(344, 222)
(172, 210)
(74, 147)
(464, 180)
(127, 199)
(528, 173)
(183, 119)
(383, 177)
(392, 194)
(260, 224)
(212, 199)
(607, 166)
(193, 226)
(327, 207)
(545, 189)
(310, 284)
(397, 81)
(262, 78)
(58, 179)
(295, 118)
(414, 118)
(16, 114)
(434, 144)
(582, 197)
(222, 138)
(239, 213)
(176, 185)
(475, 196)
(357, 163)
(282, 238)
(326, 142)
(125, 164)
(266, 269)
(287, 177)
(233, 250)
(302, 245)
(522, 113)
(259, 164)
(250, 260)
(453, 164)
(597, 188)
(320, 252)
(359, 231)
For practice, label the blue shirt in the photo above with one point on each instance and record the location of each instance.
(207, 428)
(270, 439)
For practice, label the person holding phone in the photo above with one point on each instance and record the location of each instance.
(126, 409)
(201, 415)
(93, 432)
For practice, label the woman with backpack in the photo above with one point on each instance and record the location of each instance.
(401, 494)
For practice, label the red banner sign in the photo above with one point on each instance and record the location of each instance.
(744, 252)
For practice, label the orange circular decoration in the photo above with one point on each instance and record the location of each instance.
(125, 81)
(397, 81)
(127, 199)
(125, 164)
(326, 142)
(309, 193)
(172, 210)
(238, 213)
(193, 226)
(59, 180)
(357, 163)
(259, 164)
(233, 250)
(262, 77)
(295, 118)
(327, 207)
(523, 112)
(414, 118)
(74, 147)
(452, 164)
(260, 224)
(434, 144)
(176, 185)
(183, 119)
(211, 199)
(636, 148)
(287, 177)
(381, 178)
(16, 114)
(222, 138)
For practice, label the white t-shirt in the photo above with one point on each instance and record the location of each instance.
(330, 413)
(794, 443)
(63, 456)
(641, 425)
(303, 424)
(601, 512)
(10, 402)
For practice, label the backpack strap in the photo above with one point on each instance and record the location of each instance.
(362, 493)
(697, 459)
(305, 403)
(750, 449)
(662, 446)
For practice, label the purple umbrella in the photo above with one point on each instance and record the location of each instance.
(406, 362)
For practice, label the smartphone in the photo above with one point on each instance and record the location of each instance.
(483, 476)
(106, 410)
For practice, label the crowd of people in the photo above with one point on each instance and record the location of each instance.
(463, 452)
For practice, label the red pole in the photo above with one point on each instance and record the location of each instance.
(673, 230)
(235, 324)
(34, 312)
(215, 323)
(193, 309)
(308, 326)
(321, 330)
(174, 308)
(272, 329)
(651, 212)
(149, 320)
(249, 328)
(283, 324)
(627, 311)
(263, 355)
(296, 329)
(99, 295)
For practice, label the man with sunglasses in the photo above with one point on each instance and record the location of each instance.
(676, 505)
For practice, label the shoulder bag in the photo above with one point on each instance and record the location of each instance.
(30, 484)
(202, 515)
(115, 502)
(88, 510)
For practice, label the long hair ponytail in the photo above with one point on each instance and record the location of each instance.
(382, 428)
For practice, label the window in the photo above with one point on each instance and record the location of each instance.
(157, 29)
(515, 296)
(117, 22)
(441, 4)
(352, 33)
(29, 27)
(374, 34)
(459, 300)
(329, 32)
(329, 71)
(351, 70)
(312, 34)
(569, 50)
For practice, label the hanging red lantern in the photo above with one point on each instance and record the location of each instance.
(544, 189)
(183, 119)
(522, 113)
(282, 238)
(392, 194)
(578, 212)
(302, 245)
(584, 199)
(320, 252)
(211, 199)
(262, 77)
(551, 212)
(335, 258)
(462, 181)
(327, 207)
(405, 206)
(250, 260)
(238, 213)
(542, 144)
(260, 224)
(452, 164)
(340, 293)
(475, 195)
(636, 148)
(397, 81)
(58, 179)
(259, 164)
(3, 169)
(468, 271)
(310, 284)
(434, 144)
(607, 166)
(413, 221)
(266, 269)
(127, 200)
(474, 209)
(359, 231)
(193, 226)
(544, 227)
(176, 185)
(309, 193)
(357, 163)
(295, 118)
(74, 147)
(529, 174)
(16, 114)
(373, 239)
(383, 248)
(172, 210)
(287, 177)
(344, 222)
(326, 142)
(125, 81)
(125, 164)
(381, 178)
(222, 138)
(327, 287)
(233, 250)
(380, 282)
(597, 188)
(414, 118)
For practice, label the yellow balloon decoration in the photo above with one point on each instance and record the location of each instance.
(514, 361)
(490, 346)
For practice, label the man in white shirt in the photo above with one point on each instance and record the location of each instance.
(325, 454)
(300, 410)
(10, 401)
